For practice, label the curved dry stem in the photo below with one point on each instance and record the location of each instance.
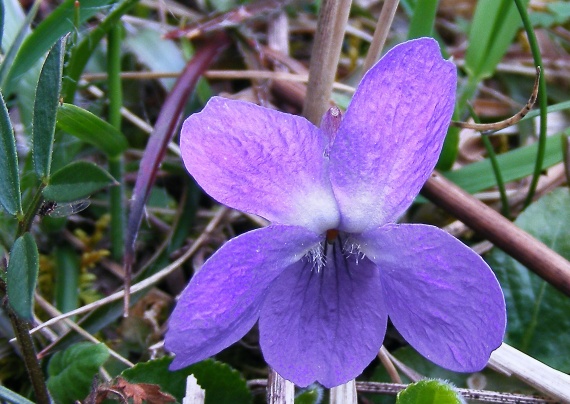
(492, 127)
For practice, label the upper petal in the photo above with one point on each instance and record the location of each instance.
(261, 161)
(441, 296)
(222, 301)
(390, 138)
(326, 325)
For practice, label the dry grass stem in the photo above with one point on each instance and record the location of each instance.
(380, 33)
(488, 127)
(151, 280)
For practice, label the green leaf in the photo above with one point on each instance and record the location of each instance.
(423, 19)
(538, 321)
(514, 165)
(22, 275)
(53, 27)
(157, 53)
(10, 197)
(90, 128)
(71, 372)
(310, 395)
(494, 26)
(66, 279)
(12, 398)
(15, 37)
(429, 392)
(222, 383)
(76, 181)
(45, 109)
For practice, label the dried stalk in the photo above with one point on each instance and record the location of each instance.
(279, 391)
(492, 127)
(324, 60)
(380, 33)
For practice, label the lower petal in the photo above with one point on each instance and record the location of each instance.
(222, 301)
(323, 325)
(441, 296)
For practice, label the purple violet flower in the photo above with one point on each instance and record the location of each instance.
(325, 276)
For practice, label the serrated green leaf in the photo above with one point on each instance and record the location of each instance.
(71, 372)
(76, 181)
(54, 26)
(222, 383)
(10, 197)
(22, 275)
(45, 109)
(90, 128)
(11, 397)
(494, 26)
(538, 321)
(429, 392)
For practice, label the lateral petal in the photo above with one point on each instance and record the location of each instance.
(325, 325)
(222, 301)
(392, 134)
(440, 295)
(261, 161)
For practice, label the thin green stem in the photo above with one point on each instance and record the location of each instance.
(542, 100)
(25, 224)
(116, 164)
(331, 25)
(505, 208)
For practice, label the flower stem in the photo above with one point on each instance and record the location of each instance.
(331, 25)
(542, 100)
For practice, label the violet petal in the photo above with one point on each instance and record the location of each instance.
(326, 325)
(261, 161)
(222, 301)
(440, 295)
(392, 134)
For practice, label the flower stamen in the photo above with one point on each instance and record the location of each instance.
(332, 234)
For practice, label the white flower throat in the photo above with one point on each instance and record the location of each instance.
(334, 251)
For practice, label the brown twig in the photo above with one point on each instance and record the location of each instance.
(333, 18)
(384, 357)
(492, 127)
(380, 33)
